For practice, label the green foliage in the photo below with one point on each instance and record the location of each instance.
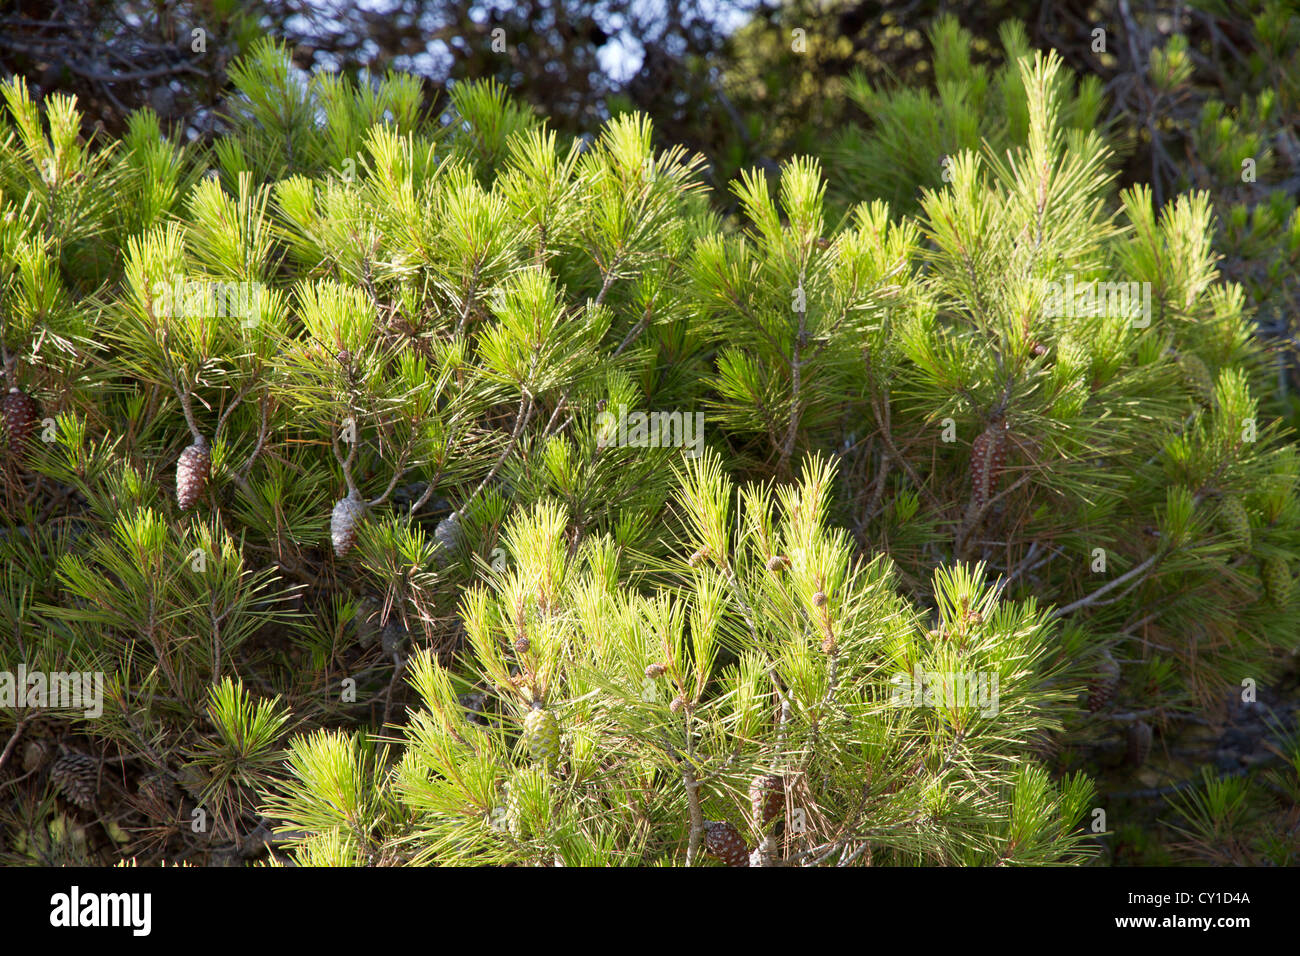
(668, 703)
(532, 634)
(914, 135)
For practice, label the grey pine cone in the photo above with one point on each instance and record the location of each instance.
(348, 513)
(76, 777)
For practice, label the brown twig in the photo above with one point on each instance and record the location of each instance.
(13, 741)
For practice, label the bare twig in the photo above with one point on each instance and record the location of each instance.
(1106, 588)
(13, 741)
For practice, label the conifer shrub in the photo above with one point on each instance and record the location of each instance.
(334, 454)
(750, 711)
(1244, 619)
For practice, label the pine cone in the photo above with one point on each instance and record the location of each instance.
(192, 471)
(515, 814)
(343, 522)
(194, 780)
(1139, 743)
(35, 754)
(394, 639)
(655, 671)
(76, 778)
(448, 534)
(723, 840)
(1197, 377)
(524, 818)
(1236, 521)
(1102, 688)
(542, 734)
(1277, 580)
(766, 798)
(987, 453)
(475, 704)
(21, 415)
(158, 788)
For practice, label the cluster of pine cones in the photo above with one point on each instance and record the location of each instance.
(194, 468)
(767, 801)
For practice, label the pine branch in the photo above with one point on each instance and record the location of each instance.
(1105, 589)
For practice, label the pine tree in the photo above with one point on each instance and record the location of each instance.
(544, 629)
(1147, 491)
(870, 774)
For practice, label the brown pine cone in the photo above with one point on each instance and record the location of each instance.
(1139, 743)
(192, 471)
(1102, 688)
(723, 840)
(35, 755)
(987, 454)
(766, 798)
(21, 415)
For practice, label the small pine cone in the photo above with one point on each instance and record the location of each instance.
(158, 788)
(475, 704)
(766, 798)
(35, 755)
(21, 415)
(1139, 743)
(1277, 580)
(699, 557)
(192, 471)
(1197, 377)
(987, 454)
(723, 840)
(194, 780)
(523, 644)
(677, 704)
(542, 734)
(76, 777)
(778, 562)
(348, 512)
(394, 639)
(448, 534)
(655, 671)
(1102, 688)
(515, 814)
(819, 599)
(1236, 521)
